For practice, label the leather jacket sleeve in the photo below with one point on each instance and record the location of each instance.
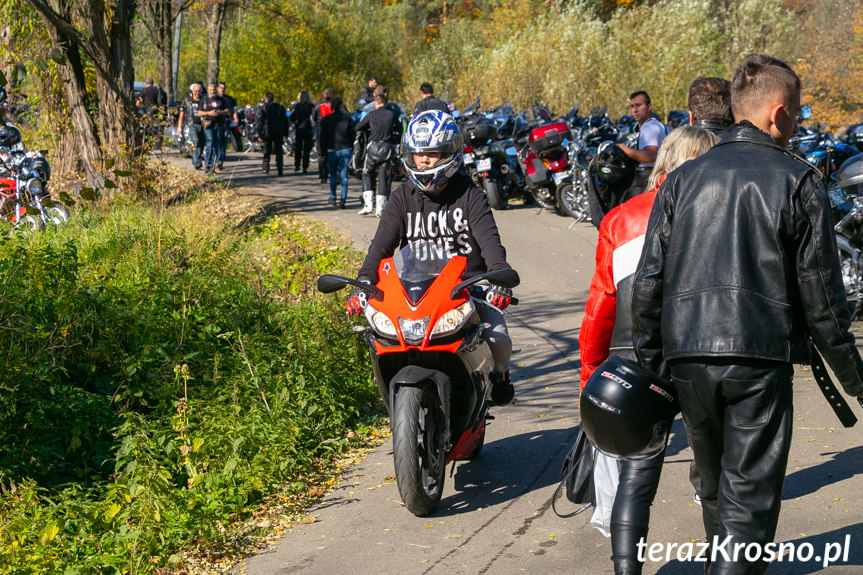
(822, 290)
(594, 338)
(647, 290)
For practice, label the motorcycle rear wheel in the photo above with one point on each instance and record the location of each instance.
(544, 199)
(492, 192)
(476, 450)
(851, 278)
(573, 201)
(420, 460)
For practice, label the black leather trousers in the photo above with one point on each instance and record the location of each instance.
(630, 515)
(739, 416)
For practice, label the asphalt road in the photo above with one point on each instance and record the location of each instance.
(495, 515)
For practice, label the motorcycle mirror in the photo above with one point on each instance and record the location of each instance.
(329, 283)
(506, 277)
(805, 112)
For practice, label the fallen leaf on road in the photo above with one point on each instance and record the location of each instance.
(308, 519)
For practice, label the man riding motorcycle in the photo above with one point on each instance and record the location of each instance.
(440, 203)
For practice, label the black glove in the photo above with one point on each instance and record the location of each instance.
(499, 297)
(356, 304)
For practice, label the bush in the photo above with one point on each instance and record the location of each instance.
(162, 372)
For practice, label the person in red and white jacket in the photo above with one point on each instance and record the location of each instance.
(607, 330)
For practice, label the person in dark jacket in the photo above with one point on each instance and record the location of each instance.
(336, 140)
(189, 116)
(214, 112)
(709, 105)
(321, 111)
(606, 331)
(368, 93)
(301, 118)
(438, 202)
(739, 269)
(428, 101)
(384, 127)
(271, 131)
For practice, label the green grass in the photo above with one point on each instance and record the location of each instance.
(162, 372)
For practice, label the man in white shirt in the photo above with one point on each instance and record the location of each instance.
(651, 132)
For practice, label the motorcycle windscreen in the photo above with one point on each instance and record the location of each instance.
(418, 264)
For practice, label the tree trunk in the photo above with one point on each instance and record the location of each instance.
(86, 138)
(103, 32)
(8, 39)
(215, 16)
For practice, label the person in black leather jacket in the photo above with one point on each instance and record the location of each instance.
(301, 118)
(428, 101)
(271, 131)
(709, 104)
(384, 129)
(739, 269)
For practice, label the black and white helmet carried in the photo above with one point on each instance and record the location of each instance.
(432, 131)
(627, 410)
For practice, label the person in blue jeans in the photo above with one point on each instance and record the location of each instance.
(213, 112)
(336, 139)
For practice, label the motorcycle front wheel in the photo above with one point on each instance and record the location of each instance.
(492, 192)
(573, 201)
(28, 223)
(420, 460)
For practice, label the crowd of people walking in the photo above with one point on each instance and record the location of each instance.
(324, 131)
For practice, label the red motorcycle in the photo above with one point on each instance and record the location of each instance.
(430, 362)
(546, 162)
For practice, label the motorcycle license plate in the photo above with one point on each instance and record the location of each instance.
(558, 177)
(468, 159)
(483, 165)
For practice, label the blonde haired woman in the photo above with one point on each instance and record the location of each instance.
(607, 330)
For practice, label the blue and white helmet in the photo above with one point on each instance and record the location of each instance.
(432, 131)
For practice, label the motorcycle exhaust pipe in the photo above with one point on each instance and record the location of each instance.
(504, 169)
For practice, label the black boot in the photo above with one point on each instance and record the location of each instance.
(502, 391)
(342, 203)
(332, 202)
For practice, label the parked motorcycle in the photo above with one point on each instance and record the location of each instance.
(847, 199)
(24, 199)
(588, 133)
(545, 160)
(430, 363)
(492, 163)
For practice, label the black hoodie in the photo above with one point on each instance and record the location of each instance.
(459, 220)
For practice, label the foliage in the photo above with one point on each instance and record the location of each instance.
(162, 371)
(287, 46)
(830, 62)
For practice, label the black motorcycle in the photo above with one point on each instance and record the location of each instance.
(492, 163)
(573, 190)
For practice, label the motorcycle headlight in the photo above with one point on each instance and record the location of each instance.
(414, 330)
(34, 186)
(453, 319)
(380, 322)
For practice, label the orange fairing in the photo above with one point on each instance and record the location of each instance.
(434, 303)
